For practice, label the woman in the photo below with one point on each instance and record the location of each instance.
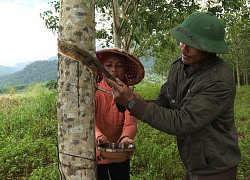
(113, 125)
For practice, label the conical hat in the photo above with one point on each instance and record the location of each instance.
(134, 71)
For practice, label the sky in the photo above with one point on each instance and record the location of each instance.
(23, 35)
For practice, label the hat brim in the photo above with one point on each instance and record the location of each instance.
(134, 69)
(214, 46)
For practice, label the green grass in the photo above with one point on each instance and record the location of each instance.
(242, 116)
(28, 138)
(28, 133)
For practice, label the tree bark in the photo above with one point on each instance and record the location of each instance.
(75, 110)
(116, 21)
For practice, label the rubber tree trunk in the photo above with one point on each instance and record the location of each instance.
(76, 137)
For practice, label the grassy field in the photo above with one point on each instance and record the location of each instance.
(28, 138)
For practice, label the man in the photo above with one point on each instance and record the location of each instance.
(196, 103)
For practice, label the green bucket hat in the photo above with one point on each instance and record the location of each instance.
(203, 31)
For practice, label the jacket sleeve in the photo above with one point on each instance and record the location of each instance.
(162, 99)
(97, 132)
(198, 109)
(130, 126)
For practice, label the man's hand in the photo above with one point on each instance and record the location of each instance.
(121, 92)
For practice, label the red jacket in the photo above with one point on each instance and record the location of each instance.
(109, 121)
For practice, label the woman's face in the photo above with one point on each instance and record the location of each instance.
(115, 67)
(192, 56)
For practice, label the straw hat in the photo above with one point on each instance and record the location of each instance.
(134, 71)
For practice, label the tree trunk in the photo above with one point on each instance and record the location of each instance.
(246, 77)
(76, 137)
(116, 27)
(237, 65)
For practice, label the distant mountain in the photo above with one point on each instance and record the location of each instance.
(4, 70)
(21, 66)
(36, 72)
(147, 64)
(41, 71)
(52, 58)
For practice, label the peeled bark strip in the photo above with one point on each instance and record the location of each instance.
(76, 137)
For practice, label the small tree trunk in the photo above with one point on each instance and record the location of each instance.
(246, 77)
(76, 137)
(237, 65)
(117, 26)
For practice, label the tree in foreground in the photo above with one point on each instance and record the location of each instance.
(75, 106)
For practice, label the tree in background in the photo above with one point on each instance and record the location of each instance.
(139, 27)
(235, 15)
(237, 20)
(142, 27)
(75, 107)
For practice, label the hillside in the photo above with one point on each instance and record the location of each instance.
(36, 72)
(5, 70)
(41, 71)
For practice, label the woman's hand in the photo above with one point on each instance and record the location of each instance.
(127, 140)
(102, 139)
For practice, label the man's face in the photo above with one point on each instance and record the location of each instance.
(115, 67)
(192, 56)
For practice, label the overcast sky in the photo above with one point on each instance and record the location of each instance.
(23, 36)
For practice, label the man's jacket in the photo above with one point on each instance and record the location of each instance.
(197, 105)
